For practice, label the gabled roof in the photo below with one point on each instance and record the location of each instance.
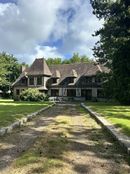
(56, 74)
(77, 70)
(22, 75)
(73, 73)
(39, 67)
(62, 71)
(86, 69)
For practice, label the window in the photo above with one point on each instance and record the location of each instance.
(98, 80)
(54, 80)
(39, 80)
(100, 93)
(89, 79)
(17, 91)
(31, 81)
(23, 81)
(71, 80)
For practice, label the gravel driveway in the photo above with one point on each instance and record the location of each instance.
(86, 148)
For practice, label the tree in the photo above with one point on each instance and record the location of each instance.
(85, 59)
(113, 49)
(76, 58)
(9, 70)
(54, 61)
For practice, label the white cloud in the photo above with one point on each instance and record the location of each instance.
(24, 25)
(39, 52)
(27, 25)
(79, 36)
(3, 8)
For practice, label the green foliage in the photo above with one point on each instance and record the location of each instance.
(54, 61)
(12, 111)
(9, 70)
(76, 58)
(32, 94)
(114, 45)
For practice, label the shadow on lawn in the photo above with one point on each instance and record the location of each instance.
(17, 142)
(49, 148)
(116, 114)
(53, 149)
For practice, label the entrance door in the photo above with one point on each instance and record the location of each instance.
(71, 92)
(87, 93)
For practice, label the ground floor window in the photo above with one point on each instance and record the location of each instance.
(71, 92)
(54, 92)
(100, 93)
(17, 91)
(87, 93)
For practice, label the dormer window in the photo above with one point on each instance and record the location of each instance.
(39, 80)
(54, 80)
(71, 80)
(89, 79)
(23, 81)
(31, 80)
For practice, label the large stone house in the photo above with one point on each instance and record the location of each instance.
(77, 81)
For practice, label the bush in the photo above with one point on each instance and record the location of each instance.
(32, 94)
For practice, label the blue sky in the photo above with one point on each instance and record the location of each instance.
(47, 28)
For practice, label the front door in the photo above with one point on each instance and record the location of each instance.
(87, 93)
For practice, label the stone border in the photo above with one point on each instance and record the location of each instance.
(21, 122)
(123, 140)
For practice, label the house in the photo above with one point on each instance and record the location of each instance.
(77, 81)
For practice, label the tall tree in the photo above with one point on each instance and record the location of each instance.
(114, 45)
(54, 61)
(75, 58)
(9, 70)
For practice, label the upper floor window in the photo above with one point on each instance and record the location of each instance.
(71, 80)
(54, 80)
(31, 80)
(17, 91)
(98, 79)
(23, 80)
(89, 79)
(39, 80)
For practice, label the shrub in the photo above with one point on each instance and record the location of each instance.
(32, 94)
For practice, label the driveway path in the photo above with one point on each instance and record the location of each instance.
(86, 148)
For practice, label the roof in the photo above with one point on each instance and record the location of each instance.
(23, 74)
(73, 73)
(77, 69)
(39, 67)
(62, 71)
(56, 74)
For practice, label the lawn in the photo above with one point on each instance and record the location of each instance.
(115, 113)
(11, 111)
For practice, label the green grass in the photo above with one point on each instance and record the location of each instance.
(11, 111)
(117, 114)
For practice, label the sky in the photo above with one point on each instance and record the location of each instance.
(32, 29)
